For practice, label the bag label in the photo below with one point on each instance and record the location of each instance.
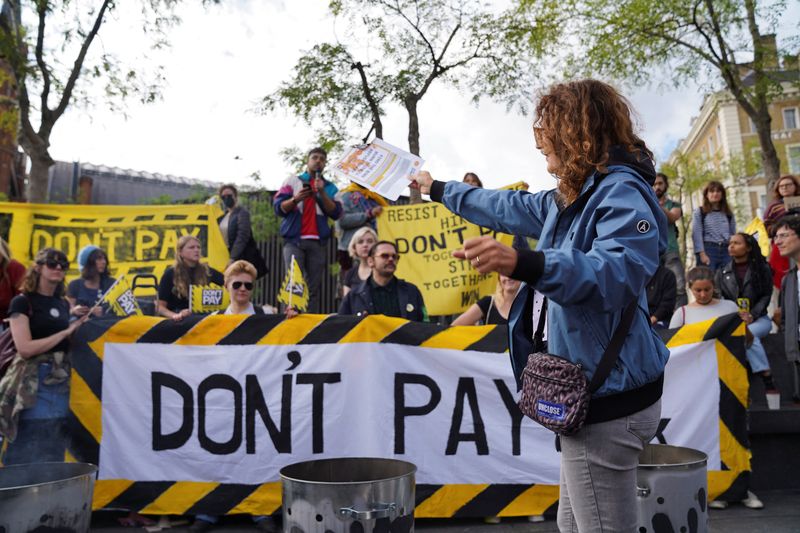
(553, 411)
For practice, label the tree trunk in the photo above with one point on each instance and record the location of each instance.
(38, 176)
(415, 197)
(769, 156)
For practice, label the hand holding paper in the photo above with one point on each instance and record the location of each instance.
(379, 167)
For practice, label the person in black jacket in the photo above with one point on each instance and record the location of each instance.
(747, 280)
(383, 293)
(661, 296)
(237, 231)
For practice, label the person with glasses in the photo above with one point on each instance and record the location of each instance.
(785, 187)
(383, 293)
(787, 239)
(34, 392)
(240, 279)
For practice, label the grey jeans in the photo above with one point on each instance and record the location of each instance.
(311, 256)
(598, 473)
(672, 260)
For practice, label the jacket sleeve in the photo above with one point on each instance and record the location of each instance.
(513, 212)
(353, 213)
(669, 294)
(421, 309)
(284, 193)
(697, 231)
(781, 303)
(243, 233)
(345, 308)
(621, 260)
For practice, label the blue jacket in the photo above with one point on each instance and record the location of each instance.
(591, 264)
(291, 221)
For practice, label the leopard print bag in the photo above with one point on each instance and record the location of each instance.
(555, 391)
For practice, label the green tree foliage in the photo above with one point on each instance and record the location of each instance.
(716, 42)
(48, 45)
(392, 51)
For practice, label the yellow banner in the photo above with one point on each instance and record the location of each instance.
(208, 298)
(426, 235)
(139, 239)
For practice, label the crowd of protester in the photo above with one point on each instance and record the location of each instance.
(731, 276)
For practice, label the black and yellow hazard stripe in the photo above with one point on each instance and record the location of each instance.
(452, 500)
(728, 334)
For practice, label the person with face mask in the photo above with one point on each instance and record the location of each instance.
(237, 231)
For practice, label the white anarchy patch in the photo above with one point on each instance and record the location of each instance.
(643, 226)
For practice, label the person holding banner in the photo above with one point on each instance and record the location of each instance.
(173, 289)
(84, 292)
(34, 393)
(706, 307)
(600, 234)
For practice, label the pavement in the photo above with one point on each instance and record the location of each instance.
(781, 514)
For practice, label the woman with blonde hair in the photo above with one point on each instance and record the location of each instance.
(360, 244)
(11, 273)
(188, 269)
(491, 309)
(34, 392)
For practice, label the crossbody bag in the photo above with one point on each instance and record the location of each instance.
(555, 391)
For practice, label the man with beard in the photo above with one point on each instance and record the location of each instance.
(383, 293)
(305, 203)
(672, 258)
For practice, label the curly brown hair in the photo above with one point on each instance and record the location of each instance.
(580, 121)
(182, 277)
(30, 281)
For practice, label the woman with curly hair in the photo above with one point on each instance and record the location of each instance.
(784, 187)
(173, 290)
(600, 233)
(34, 392)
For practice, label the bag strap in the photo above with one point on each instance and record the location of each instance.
(611, 354)
(538, 336)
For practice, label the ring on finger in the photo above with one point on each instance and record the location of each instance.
(477, 260)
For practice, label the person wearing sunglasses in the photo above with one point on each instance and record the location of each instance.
(34, 392)
(240, 279)
(383, 293)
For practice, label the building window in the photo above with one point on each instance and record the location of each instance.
(790, 118)
(753, 128)
(793, 157)
(711, 147)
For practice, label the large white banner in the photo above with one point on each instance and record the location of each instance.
(237, 414)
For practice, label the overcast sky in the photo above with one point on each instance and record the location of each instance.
(224, 58)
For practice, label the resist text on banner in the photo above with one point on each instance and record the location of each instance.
(426, 236)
